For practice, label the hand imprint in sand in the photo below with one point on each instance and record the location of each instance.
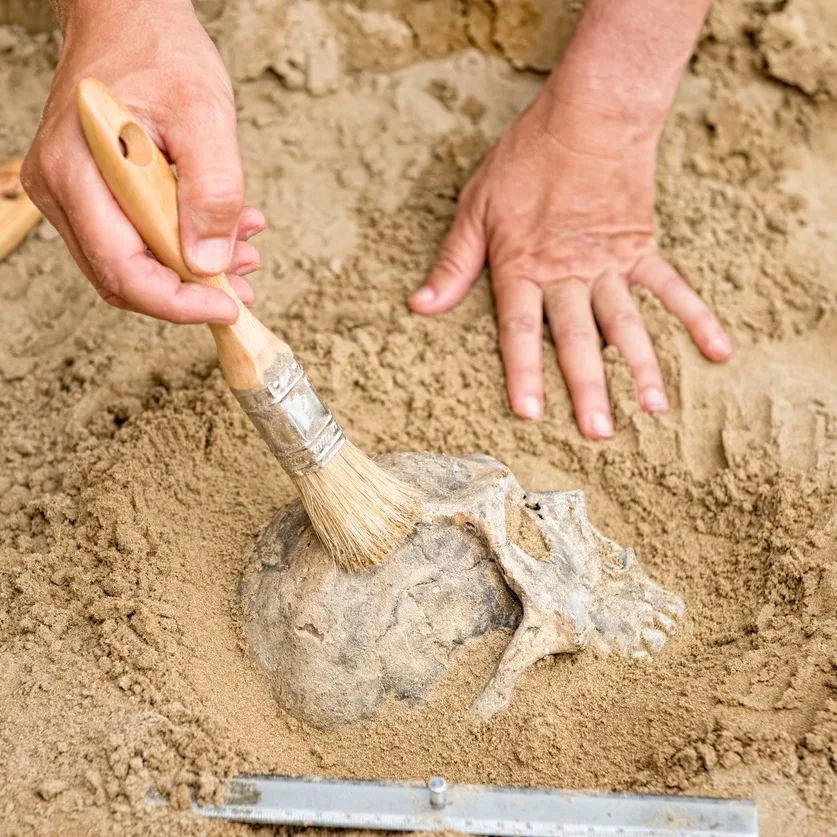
(336, 644)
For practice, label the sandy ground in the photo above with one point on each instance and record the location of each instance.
(131, 485)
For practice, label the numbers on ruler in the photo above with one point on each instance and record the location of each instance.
(406, 822)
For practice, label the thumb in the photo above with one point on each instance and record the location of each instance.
(457, 266)
(210, 192)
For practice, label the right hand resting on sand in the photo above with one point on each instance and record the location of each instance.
(157, 58)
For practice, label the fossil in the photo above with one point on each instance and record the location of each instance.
(486, 555)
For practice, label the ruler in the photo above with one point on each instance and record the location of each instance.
(476, 809)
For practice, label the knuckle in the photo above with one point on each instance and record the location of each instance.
(588, 391)
(578, 334)
(515, 325)
(469, 198)
(176, 315)
(219, 193)
(28, 174)
(36, 174)
(647, 371)
(42, 180)
(449, 262)
(701, 320)
(520, 263)
(107, 278)
(671, 285)
(524, 372)
(46, 162)
(105, 283)
(625, 319)
(108, 294)
(572, 283)
(217, 110)
(203, 98)
(510, 274)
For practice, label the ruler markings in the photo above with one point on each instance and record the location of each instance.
(482, 810)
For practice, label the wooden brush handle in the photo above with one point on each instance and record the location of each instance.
(145, 187)
(17, 213)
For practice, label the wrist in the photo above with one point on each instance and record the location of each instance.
(602, 95)
(625, 61)
(76, 17)
(590, 122)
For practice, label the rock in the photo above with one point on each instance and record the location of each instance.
(14, 499)
(9, 38)
(335, 644)
(14, 368)
(323, 71)
(249, 35)
(307, 53)
(381, 26)
(424, 110)
(799, 45)
(50, 788)
(533, 34)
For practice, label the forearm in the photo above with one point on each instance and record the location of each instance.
(627, 56)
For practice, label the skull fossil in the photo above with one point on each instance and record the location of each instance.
(486, 555)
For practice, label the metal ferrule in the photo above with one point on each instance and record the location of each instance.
(297, 426)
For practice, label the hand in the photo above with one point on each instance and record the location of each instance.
(157, 58)
(562, 208)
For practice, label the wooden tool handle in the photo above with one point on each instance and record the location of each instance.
(17, 213)
(145, 187)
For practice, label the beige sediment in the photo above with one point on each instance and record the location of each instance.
(131, 485)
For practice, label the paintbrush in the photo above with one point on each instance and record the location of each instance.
(17, 213)
(360, 512)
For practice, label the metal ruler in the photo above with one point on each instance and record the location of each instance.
(477, 809)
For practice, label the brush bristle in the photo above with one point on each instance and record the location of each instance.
(360, 512)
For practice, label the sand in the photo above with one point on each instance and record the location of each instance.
(131, 486)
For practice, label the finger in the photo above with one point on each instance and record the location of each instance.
(656, 274)
(242, 289)
(58, 218)
(120, 265)
(250, 223)
(579, 351)
(520, 331)
(42, 197)
(622, 327)
(33, 178)
(457, 265)
(201, 141)
(245, 259)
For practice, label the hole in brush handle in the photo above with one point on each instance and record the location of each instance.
(135, 144)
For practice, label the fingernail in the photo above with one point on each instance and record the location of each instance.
(255, 231)
(246, 269)
(654, 400)
(531, 407)
(720, 346)
(601, 425)
(423, 296)
(212, 254)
